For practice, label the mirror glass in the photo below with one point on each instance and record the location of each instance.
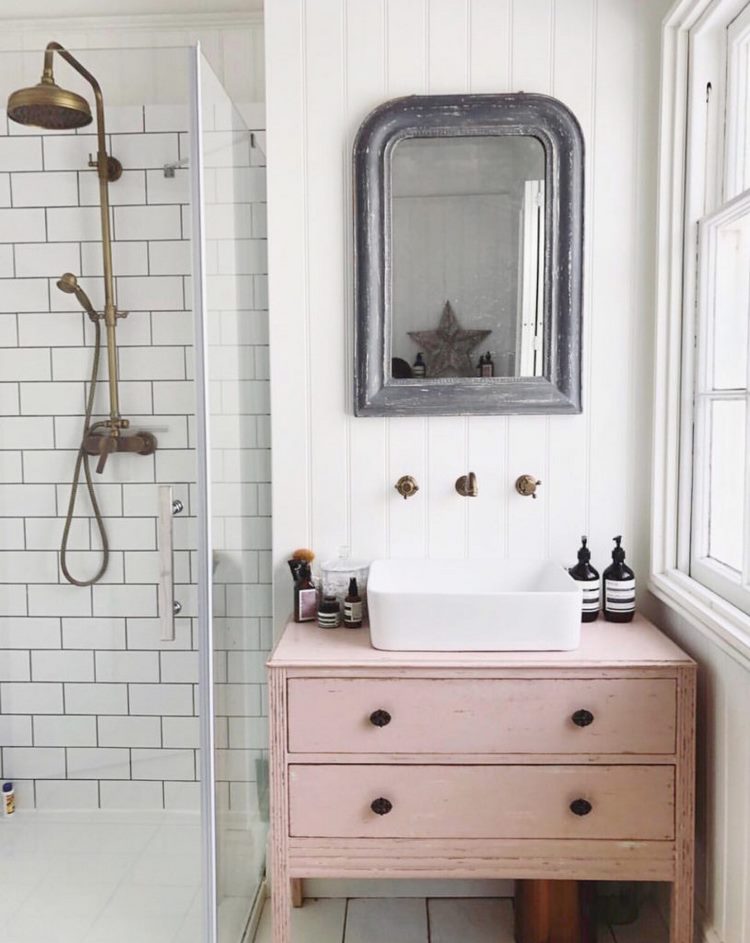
(467, 257)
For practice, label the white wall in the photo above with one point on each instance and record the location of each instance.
(328, 63)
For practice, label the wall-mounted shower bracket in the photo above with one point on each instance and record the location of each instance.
(114, 167)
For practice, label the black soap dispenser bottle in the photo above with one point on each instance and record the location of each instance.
(591, 583)
(619, 588)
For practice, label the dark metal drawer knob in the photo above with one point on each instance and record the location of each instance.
(380, 718)
(381, 806)
(580, 807)
(583, 718)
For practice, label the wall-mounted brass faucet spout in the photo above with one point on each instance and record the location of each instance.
(467, 486)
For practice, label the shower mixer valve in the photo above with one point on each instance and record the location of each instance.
(102, 444)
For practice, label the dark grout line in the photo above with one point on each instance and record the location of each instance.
(346, 919)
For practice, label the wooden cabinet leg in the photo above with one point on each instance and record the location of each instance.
(681, 923)
(298, 895)
(281, 885)
(281, 901)
(554, 912)
(681, 913)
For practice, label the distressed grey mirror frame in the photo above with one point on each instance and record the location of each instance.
(376, 392)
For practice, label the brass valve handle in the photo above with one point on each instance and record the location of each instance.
(527, 485)
(407, 486)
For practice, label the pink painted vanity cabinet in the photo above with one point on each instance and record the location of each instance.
(575, 765)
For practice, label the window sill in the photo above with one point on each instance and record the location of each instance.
(715, 618)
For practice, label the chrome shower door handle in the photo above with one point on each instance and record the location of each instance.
(166, 564)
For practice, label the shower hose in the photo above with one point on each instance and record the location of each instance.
(82, 462)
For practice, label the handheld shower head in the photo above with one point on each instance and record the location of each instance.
(68, 283)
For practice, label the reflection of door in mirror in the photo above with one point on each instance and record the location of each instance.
(530, 331)
(467, 230)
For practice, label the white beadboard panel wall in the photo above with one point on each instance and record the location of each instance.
(88, 692)
(723, 798)
(329, 62)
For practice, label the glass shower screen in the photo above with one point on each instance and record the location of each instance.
(234, 605)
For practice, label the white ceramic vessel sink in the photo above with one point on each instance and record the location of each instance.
(473, 605)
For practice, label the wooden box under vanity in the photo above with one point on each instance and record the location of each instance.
(575, 765)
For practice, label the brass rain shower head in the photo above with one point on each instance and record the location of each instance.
(46, 105)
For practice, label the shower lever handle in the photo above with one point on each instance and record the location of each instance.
(107, 445)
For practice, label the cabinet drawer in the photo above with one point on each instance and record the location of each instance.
(364, 715)
(617, 802)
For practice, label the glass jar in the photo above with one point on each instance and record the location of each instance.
(335, 576)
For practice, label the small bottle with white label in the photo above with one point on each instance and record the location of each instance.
(619, 588)
(591, 585)
(353, 606)
(9, 799)
(329, 613)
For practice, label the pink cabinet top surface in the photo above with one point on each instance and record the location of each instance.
(603, 644)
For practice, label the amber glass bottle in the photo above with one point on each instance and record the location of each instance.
(619, 587)
(590, 583)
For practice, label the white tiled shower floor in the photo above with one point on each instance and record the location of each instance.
(411, 920)
(100, 878)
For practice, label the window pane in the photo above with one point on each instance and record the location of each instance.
(731, 305)
(726, 482)
(738, 102)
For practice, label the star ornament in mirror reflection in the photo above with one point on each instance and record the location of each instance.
(448, 347)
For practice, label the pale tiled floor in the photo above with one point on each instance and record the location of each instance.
(110, 878)
(412, 920)
(101, 877)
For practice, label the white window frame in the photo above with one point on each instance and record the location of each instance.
(711, 573)
(690, 158)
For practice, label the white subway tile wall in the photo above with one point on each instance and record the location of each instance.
(96, 710)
